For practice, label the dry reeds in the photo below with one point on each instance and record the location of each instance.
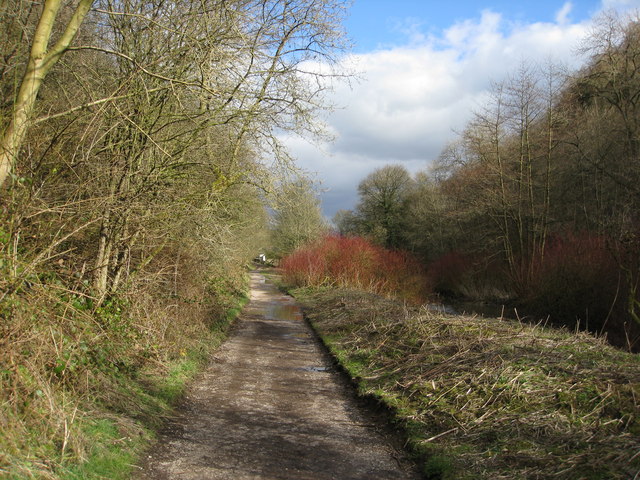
(495, 399)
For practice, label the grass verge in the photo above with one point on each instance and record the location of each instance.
(81, 399)
(488, 398)
(113, 455)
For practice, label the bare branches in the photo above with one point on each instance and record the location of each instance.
(41, 60)
(93, 103)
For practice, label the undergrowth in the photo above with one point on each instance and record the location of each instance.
(84, 385)
(488, 398)
(579, 282)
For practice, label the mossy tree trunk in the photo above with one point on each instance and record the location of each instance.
(41, 61)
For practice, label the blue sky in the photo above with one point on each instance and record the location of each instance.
(424, 67)
(375, 24)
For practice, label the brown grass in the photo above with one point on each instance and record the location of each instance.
(488, 398)
(65, 363)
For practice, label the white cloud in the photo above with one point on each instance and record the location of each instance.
(620, 4)
(562, 17)
(414, 97)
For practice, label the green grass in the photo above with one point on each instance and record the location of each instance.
(485, 398)
(111, 455)
(233, 312)
(179, 374)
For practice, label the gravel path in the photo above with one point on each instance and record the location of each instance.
(270, 407)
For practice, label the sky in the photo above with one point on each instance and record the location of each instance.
(423, 67)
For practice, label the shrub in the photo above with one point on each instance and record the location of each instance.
(356, 263)
(448, 272)
(577, 283)
(463, 275)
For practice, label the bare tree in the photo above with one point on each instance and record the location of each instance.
(194, 80)
(42, 58)
(607, 96)
(298, 219)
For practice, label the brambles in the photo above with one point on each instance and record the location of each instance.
(67, 365)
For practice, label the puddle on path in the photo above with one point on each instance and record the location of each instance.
(283, 311)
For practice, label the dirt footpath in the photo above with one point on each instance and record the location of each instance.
(271, 407)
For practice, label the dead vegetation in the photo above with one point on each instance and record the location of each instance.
(74, 374)
(489, 398)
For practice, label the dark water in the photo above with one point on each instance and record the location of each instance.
(473, 308)
(485, 309)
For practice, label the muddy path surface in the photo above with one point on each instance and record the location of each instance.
(270, 406)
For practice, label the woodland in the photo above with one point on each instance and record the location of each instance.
(141, 169)
(535, 204)
(139, 161)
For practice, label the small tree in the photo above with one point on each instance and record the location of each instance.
(381, 207)
(298, 219)
(347, 223)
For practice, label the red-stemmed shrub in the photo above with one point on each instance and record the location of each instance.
(476, 277)
(449, 273)
(353, 262)
(579, 283)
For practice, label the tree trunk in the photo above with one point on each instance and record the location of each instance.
(101, 268)
(41, 60)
